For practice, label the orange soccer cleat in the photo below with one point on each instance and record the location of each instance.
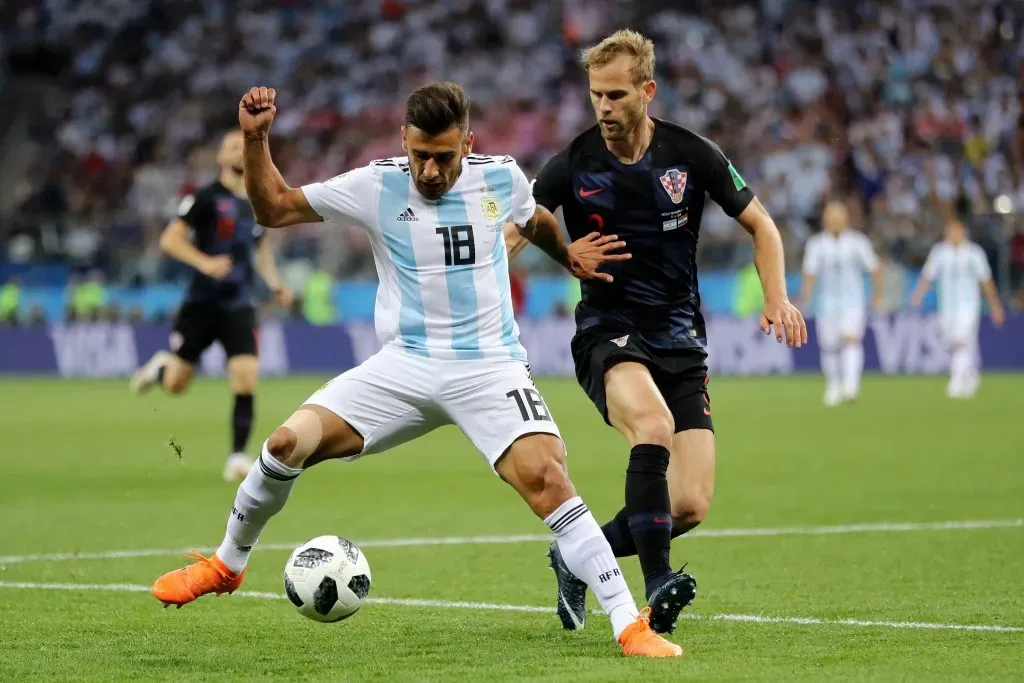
(641, 641)
(205, 575)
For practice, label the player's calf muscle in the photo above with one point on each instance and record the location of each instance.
(691, 478)
(690, 508)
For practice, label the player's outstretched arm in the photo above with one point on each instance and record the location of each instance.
(583, 257)
(920, 289)
(274, 204)
(771, 269)
(995, 306)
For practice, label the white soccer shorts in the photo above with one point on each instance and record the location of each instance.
(833, 328)
(395, 397)
(959, 327)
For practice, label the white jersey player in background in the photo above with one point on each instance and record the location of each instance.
(451, 351)
(835, 263)
(961, 270)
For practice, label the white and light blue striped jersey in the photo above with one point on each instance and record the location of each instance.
(839, 264)
(444, 287)
(957, 270)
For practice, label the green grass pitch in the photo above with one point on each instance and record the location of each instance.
(87, 468)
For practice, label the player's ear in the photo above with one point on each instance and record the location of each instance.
(467, 144)
(405, 139)
(649, 88)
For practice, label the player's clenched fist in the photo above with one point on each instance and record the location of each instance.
(256, 111)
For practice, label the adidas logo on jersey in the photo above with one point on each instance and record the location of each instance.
(407, 215)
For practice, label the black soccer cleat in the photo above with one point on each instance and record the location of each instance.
(669, 599)
(572, 593)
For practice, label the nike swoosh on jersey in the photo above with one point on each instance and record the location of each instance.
(588, 193)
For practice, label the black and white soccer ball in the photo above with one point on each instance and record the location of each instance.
(327, 578)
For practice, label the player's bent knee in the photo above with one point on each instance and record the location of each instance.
(323, 435)
(654, 426)
(246, 385)
(243, 374)
(177, 375)
(535, 467)
(282, 445)
(176, 385)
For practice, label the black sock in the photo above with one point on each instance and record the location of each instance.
(160, 374)
(241, 422)
(617, 533)
(648, 510)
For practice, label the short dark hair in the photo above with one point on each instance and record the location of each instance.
(436, 107)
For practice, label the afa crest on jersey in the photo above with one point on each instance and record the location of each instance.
(674, 182)
(491, 207)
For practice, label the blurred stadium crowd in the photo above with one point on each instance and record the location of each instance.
(910, 108)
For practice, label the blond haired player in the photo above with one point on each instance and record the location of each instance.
(639, 347)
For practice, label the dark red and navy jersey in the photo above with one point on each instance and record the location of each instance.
(222, 223)
(655, 205)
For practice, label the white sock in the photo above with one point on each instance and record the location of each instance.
(261, 495)
(975, 369)
(960, 368)
(589, 557)
(830, 368)
(852, 360)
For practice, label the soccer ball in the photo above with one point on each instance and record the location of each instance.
(327, 578)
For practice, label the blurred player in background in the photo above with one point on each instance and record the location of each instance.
(451, 352)
(835, 262)
(216, 234)
(963, 274)
(639, 347)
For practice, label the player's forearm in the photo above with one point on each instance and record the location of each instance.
(876, 282)
(920, 289)
(514, 242)
(263, 182)
(266, 266)
(182, 250)
(807, 289)
(770, 261)
(544, 231)
(876, 288)
(991, 296)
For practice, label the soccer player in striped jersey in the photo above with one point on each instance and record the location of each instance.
(961, 270)
(451, 352)
(835, 263)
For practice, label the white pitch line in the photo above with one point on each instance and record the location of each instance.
(881, 527)
(490, 606)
